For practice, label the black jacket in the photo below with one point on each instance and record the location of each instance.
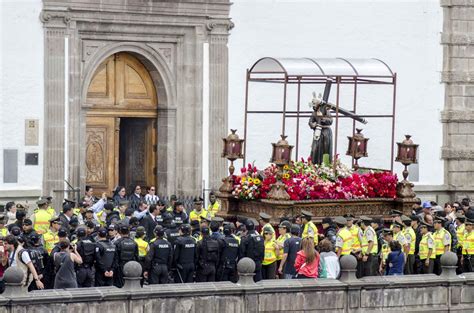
(148, 221)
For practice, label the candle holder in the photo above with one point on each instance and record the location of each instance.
(281, 156)
(357, 147)
(406, 155)
(232, 151)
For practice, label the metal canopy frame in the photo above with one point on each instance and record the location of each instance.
(298, 71)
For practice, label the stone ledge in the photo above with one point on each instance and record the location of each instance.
(457, 38)
(457, 3)
(457, 77)
(457, 154)
(457, 116)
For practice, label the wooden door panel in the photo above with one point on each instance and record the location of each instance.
(100, 152)
(101, 90)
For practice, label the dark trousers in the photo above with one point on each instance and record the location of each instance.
(437, 265)
(410, 265)
(460, 268)
(118, 276)
(85, 276)
(427, 269)
(227, 274)
(101, 280)
(258, 272)
(184, 273)
(468, 263)
(206, 273)
(371, 266)
(159, 274)
(269, 271)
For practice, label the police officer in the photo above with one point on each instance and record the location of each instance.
(179, 215)
(309, 229)
(28, 232)
(159, 259)
(105, 259)
(208, 253)
(410, 237)
(369, 247)
(329, 229)
(85, 272)
(214, 226)
(227, 268)
(172, 230)
(265, 223)
(343, 237)
(468, 246)
(442, 239)
(252, 246)
(162, 213)
(143, 245)
(185, 255)
(427, 249)
(198, 212)
(39, 257)
(126, 250)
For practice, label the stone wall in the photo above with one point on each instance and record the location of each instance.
(458, 115)
(415, 293)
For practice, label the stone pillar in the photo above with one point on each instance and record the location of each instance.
(348, 268)
(218, 97)
(246, 270)
(13, 277)
(458, 114)
(132, 274)
(54, 95)
(166, 165)
(449, 262)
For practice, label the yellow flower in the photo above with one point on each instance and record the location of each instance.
(243, 179)
(286, 176)
(250, 180)
(257, 181)
(286, 167)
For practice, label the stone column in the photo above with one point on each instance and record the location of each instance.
(218, 97)
(458, 114)
(54, 83)
(166, 151)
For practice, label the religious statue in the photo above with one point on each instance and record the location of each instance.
(320, 122)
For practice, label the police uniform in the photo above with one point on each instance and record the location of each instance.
(427, 243)
(208, 254)
(410, 237)
(213, 208)
(41, 218)
(252, 246)
(368, 235)
(442, 239)
(309, 229)
(227, 270)
(87, 250)
(266, 217)
(159, 259)
(126, 250)
(105, 261)
(198, 216)
(468, 248)
(343, 237)
(185, 257)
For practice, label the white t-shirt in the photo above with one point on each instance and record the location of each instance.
(24, 256)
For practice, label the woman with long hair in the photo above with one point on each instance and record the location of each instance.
(120, 193)
(307, 260)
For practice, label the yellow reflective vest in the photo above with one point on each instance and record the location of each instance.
(310, 230)
(439, 237)
(468, 243)
(427, 240)
(460, 234)
(365, 242)
(41, 225)
(142, 247)
(281, 241)
(3, 232)
(270, 252)
(214, 208)
(346, 237)
(410, 233)
(50, 239)
(356, 244)
(195, 215)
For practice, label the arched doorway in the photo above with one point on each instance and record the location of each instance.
(121, 125)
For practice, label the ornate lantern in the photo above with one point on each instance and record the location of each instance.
(406, 154)
(281, 156)
(357, 147)
(232, 151)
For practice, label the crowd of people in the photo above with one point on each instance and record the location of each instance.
(89, 242)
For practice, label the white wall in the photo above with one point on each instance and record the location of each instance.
(21, 86)
(405, 34)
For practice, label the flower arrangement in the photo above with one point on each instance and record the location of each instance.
(306, 181)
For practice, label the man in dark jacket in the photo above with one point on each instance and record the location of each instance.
(149, 222)
(185, 255)
(208, 254)
(106, 260)
(159, 259)
(253, 246)
(126, 250)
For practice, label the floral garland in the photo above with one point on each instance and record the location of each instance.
(307, 181)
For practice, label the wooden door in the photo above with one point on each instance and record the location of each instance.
(101, 151)
(137, 152)
(121, 92)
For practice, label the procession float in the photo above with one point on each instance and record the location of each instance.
(317, 180)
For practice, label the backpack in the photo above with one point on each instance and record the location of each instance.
(88, 251)
(211, 251)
